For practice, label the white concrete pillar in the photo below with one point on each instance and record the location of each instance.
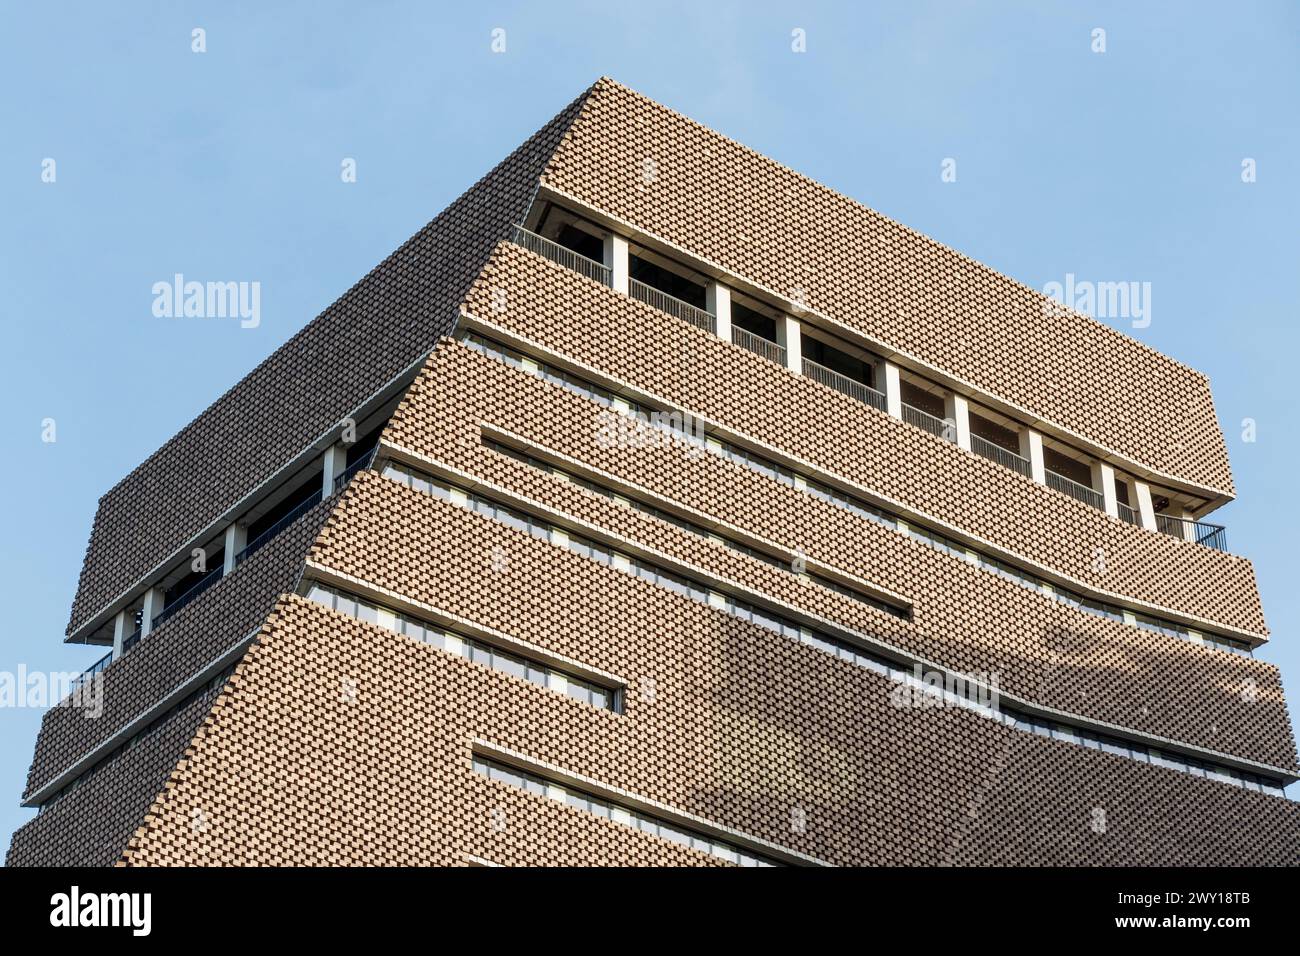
(1189, 530)
(153, 605)
(1103, 479)
(616, 260)
(1031, 448)
(717, 299)
(1146, 510)
(335, 463)
(236, 539)
(957, 410)
(790, 337)
(123, 625)
(893, 389)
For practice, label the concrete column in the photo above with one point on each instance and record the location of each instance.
(153, 605)
(1031, 447)
(957, 409)
(1103, 479)
(791, 339)
(1146, 510)
(236, 538)
(336, 462)
(717, 299)
(893, 389)
(1189, 532)
(121, 631)
(616, 259)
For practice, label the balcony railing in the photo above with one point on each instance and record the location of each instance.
(343, 477)
(298, 511)
(700, 318)
(193, 591)
(1128, 514)
(842, 383)
(758, 345)
(1075, 490)
(564, 256)
(131, 640)
(1210, 535)
(85, 677)
(944, 428)
(1007, 459)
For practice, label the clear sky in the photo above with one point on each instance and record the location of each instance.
(1117, 166)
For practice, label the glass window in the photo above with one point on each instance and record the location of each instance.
(321, 595)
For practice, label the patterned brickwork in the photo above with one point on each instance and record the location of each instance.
(379, 327)
(720, 201)
(230, 610)
(341, 743)
(637, 344)
(1052, 804)
(91, 825)
(966, 619)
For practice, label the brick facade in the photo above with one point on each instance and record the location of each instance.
(340, 742)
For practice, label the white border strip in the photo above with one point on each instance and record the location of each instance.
(405, 605)
(479, 747)
(640, 493)
(140, 721)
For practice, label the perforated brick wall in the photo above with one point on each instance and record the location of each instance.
(637, 344)
(91, 825)
(341, 743)
(211, 624)
(720, 201)
(375, 330)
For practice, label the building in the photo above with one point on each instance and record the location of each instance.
(657, 505)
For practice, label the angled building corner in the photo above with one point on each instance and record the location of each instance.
(695, 515)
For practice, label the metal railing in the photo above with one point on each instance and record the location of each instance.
(193, 591)
(944, 428)
(563, 255)
(1007, 459)
(1210, 535)
(298, 511)
(88, 674)
(842, 383)
(1076, 490)
(758, 345)
(343, 477)
(658, 299)
(1127, 514)
(131, 640)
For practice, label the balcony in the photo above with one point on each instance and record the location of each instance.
(296, 512)
(1075, 490)
(85, 678)
(842, 383)
(1007, 459)
(563, 256)
(758, 345)
(756, 326)
(674, 306)
(1200, 532)
(347, 474)
(132, 639)
(939, 427)
(193, 591)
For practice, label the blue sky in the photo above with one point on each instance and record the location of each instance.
(1124, 165)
